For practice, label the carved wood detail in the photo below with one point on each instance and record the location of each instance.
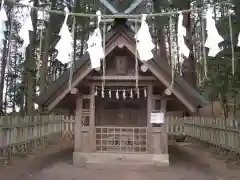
(121, 65)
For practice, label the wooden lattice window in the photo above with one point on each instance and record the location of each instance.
(121, 139)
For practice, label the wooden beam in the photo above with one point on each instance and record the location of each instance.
(129, 20)
(123, 84)
(92, 119)
(149, 124)
(144, 78)
(78, 125)
(156, 97)
(113, 10)
(133, 6)
(75, 91)
(165, 126)
(109, 6)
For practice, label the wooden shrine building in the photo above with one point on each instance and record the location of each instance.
(119, 125)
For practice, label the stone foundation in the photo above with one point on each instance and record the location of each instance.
(83, 159)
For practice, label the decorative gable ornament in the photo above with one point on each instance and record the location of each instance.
(95, 48)
(65, 44)
(3, 19)
(144, 41)
(213, 38)
(27, 26)
(183, 49)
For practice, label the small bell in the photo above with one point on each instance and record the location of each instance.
(117, 94)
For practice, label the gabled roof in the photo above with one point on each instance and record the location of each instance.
(158, 66)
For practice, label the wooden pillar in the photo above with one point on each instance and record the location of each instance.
(160, 139)
(165, 126)
(92, 118)
(149, 124)
(78, 124)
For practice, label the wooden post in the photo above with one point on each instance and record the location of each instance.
(149, 124)
(78, 123)
(92, 118)
(165, 126)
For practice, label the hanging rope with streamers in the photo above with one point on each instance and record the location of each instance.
(104, 60)
(136, 60)
(227, 2)
(168, 91)
(231, 40)
(203, 49)
(72, 56)
(8, 69)
(40, 43)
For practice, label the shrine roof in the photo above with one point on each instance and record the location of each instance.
(159, 67)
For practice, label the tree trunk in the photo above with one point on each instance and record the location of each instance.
(189, 64)
(4, 61)
(160, 31)
(44, 63)
(30, 68)
(162, 43)
(2, 78)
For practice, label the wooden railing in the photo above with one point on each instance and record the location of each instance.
(175, 125)
(221, 133)
(21, 134)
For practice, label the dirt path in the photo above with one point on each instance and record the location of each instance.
(59, 167)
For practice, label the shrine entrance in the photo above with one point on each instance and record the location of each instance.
(121, 125)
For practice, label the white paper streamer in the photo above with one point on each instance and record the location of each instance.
(213, 37)
(95, 48)
(238, 40)
(144, 41)
(3, 19)
(65, 44)
(27, 26)
(183, 49)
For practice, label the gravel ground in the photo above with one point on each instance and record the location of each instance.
(58, 166)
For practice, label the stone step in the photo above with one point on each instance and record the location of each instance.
(120, 159)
